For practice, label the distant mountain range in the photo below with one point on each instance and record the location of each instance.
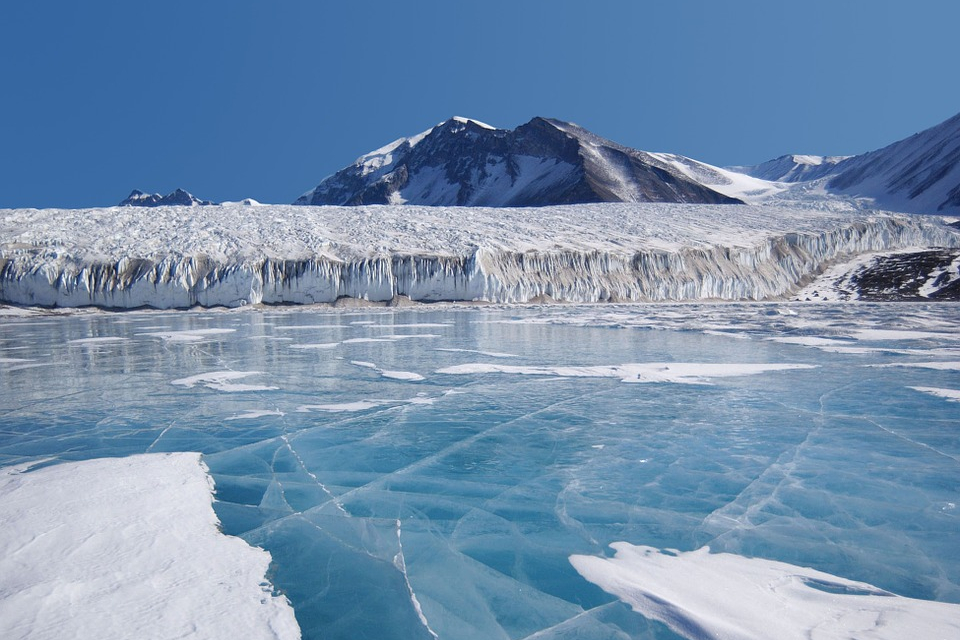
(178, 198)
(919, 174)
(463, 162)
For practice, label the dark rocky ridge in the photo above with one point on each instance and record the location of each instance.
(543, 162)
(179, 197)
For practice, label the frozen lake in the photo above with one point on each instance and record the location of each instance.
(430, 472)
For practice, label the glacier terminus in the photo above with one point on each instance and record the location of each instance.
(236, 255)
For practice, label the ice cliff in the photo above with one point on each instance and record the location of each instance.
(177, 257)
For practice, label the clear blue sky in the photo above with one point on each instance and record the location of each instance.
(249, 98)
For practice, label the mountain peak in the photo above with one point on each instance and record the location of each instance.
(471, 121)
(465, 162)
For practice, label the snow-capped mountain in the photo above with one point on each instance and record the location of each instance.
(463, 162)
(919, 174)
(793, 168)
(179, 198)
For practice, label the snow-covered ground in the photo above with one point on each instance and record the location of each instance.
(128, 548)
(171, 257)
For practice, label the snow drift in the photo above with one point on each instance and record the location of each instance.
(178, 257)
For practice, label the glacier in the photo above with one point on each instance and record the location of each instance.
(232, 256)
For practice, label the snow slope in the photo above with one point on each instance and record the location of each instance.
(128, 548)
(919, 174)
(726, 181)
(793, 168)
(177, 257)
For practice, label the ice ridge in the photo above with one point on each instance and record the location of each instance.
(762, 253)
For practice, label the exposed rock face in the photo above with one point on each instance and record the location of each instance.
(462, 162)
(924, 275)
(179, 198)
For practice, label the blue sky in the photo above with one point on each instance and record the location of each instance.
(246, 98)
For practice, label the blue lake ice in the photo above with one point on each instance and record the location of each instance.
(430, 472)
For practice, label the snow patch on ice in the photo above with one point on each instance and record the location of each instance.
(366, 405)
(491, 354)
(309, 327)
(121, 548)
(386, 373)
(703, 595)
(940, 366)
(902, 334)
(674, 372)
(318, 345)
(220, 381)
(360, 405)
(258, 413)
(811, 341)
(100, 340)
(950, 394)
(190, 335)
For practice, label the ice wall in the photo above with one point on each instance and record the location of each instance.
(756, 260)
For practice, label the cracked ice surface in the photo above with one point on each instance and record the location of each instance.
(449, 500)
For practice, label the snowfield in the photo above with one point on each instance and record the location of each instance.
(232, 255)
